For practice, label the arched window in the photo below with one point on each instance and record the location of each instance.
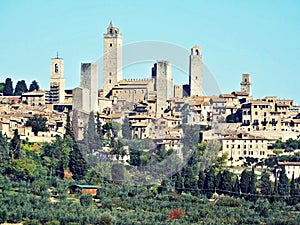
(56, 68)
(197, 52)
(110, 81)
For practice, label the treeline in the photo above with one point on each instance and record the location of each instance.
(289, 145)
(20, 88)
(247, 185)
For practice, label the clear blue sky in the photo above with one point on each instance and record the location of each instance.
(257, 37)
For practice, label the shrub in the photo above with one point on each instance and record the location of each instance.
(105, 219)
(32, 222)
(53, 222)
(86, 200)
(229, 201)
(176, 214)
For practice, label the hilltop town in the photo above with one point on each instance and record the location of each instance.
(156, 108)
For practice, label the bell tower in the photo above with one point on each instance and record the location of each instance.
(246, 84)
(195, 74)
(57, 81)
(112, 62)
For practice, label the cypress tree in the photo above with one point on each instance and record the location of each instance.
(8, 89)
(77, 164)
(68, 128)
(209, 183)
(126, 129)
(265, 184)
(179, 183)
(245, 182)
(226, 183)
(200, 183)
(190, 182)
(34, 86)
(99, 126)
(21, 87)
(252, 185)
(293, 188)
(236, 187)
(14, 147)
(283, 183)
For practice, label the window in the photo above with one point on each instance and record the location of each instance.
(56, 68)
(110, 81)
(110, 44)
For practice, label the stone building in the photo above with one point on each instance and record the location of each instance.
(163, 85)
(85, 97)
(195, 73)
(57, 81)
(246, 84)
(240, 146)
(112, 62)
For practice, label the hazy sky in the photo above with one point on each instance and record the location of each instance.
(257, 37)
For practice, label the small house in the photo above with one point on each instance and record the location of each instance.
(83, 189)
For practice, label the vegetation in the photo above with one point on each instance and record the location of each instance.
(34, 86)
(20, 88)
(8, 89)
(38, 123)
(34, 179)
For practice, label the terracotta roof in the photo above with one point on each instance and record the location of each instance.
(289, 163)
(227, 96)
(241, 93)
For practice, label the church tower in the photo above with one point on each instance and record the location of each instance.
(195, 76)
(112, 65)
(246, 84)
(57, 81)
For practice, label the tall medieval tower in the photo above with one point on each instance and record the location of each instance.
(163, 85)
(112, 62)
(246, 84)
(57, 81)
(195, 76)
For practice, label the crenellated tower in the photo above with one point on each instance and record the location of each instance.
(112, 62)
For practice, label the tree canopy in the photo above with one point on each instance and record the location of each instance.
(8, 89)
(34, 86)
(21, 87)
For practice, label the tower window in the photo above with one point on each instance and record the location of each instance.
(110, 44)
(196, 78)
(197, 52)
(110, 81)
(56, 68)
(109, 73)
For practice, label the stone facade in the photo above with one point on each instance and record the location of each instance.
(246, 84)
(112, 63)
(195, 76)
(164, 85)
(57, 81)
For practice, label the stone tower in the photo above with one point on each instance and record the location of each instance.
(163, 85)
(195, 76)
(85, 97)
(246, 84)
(112, 62)
(57, 81)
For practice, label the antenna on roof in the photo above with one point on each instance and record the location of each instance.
(57, 54)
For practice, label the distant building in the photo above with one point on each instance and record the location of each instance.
(246, 84)
(85, 97)
(195, 73)
(240, 146)
(112, 61)
(57, 81)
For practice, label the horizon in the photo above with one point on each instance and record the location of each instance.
(235, 38)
